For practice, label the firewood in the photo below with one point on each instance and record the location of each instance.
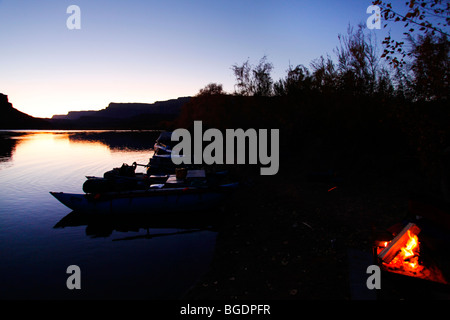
(389, 253)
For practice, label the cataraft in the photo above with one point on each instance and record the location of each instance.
(163, 188)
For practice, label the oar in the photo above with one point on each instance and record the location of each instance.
(142, 165)
(151, 236)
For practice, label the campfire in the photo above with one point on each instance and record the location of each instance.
(403, 255)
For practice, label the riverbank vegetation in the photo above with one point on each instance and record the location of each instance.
(360, 134)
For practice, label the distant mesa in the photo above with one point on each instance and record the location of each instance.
(11, 118)
(115, 116)
(3, 99)
(129, 110)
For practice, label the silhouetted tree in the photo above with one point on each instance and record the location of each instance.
(384, 85)
(211, 89)
(358, 61)
(255, 81)
(297, 81)
(324, 74)
(279, 88)
(243, 78)
(357, 71)
(262, 81)
(430, 67)
(423, 17)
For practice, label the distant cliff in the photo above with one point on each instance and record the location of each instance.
(129, 110)
(11, 118)
(123, 116)
(115, 116)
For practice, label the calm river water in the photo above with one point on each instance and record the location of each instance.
(158, 257)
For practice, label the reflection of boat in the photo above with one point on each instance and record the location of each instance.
(122, 190)
(155, 225)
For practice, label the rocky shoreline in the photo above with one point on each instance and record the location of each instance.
(287, 236)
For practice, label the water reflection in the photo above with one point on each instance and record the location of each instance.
(118, 140)
(40, 237)
(8, 145)
(143, 226)
(114, 140)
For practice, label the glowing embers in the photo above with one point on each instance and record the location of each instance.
(402, 255)
(407, 258)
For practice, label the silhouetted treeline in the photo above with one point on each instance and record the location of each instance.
(352, 110)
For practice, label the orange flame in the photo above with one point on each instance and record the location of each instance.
(408, 257)
(407, 261)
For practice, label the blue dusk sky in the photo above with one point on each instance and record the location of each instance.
(145, 51)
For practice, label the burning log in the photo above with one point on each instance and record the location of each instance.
(401, 255)
(399, 242)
